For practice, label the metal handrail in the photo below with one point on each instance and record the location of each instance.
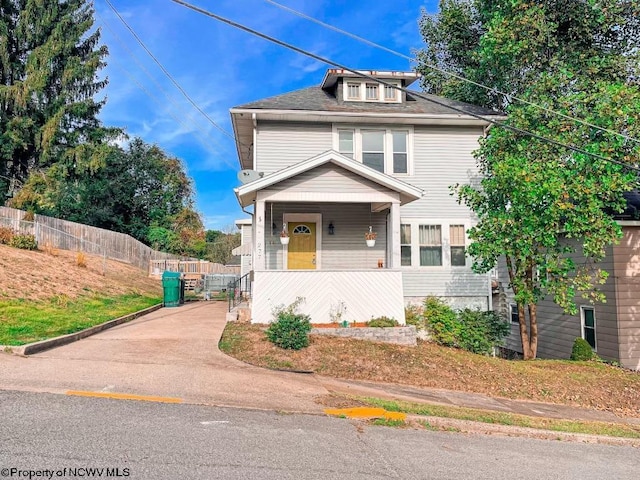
(239, 290)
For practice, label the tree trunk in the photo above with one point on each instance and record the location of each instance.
(533, 330)
(524, 334)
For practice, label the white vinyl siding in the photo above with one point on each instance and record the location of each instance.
(282, 144)
(430, 245)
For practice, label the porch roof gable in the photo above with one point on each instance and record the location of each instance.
(246, 194)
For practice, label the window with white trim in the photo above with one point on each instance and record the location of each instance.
(430, 237)
(369, 91)
(515, 313)
(353, 91)
(456, 244)
(405, 245)
(588, 317)
(390, 94)
(372, 91)
(384, 149)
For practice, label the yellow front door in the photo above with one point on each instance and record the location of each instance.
(302, 246)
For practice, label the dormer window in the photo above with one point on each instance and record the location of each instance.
(353, 91)
(363, 91)
(372, 91)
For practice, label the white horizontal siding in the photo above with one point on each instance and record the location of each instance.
(461, 288)
(442, 158)
(365, 294)
(245, 239)
(281, 144)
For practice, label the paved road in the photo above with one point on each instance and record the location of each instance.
(167, 441)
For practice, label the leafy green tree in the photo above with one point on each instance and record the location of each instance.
(49, 59)
(220, 250)
(540, 204)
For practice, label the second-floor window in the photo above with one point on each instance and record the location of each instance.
(386, 150)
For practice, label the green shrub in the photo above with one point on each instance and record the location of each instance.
(24, 241)
(382, 322)
(291, 329)
(480, 331)
(582, 351)
(6, 234)
(413, 315)
(441, 321)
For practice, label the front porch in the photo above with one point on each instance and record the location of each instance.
(324, 207)
(358, 294)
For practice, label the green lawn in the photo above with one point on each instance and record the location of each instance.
(22, 321)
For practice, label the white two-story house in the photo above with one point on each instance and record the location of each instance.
(328, 164)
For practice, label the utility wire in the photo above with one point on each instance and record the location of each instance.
(202, 135)
(450, 74)
(169, 76)
(410, 92)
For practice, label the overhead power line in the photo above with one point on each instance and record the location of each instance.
(167, 74)
(360, 74)
(203, 135)
(447, 73)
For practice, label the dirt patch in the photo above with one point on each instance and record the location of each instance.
(36, 275)
(582, 384)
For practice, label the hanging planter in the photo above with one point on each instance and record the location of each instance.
(284, 236)
(370, 237)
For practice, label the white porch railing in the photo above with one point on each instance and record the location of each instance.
(364, 293)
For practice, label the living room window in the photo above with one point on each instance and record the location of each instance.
(384, 149)
(430, 245)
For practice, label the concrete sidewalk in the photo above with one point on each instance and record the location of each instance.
(173, 352)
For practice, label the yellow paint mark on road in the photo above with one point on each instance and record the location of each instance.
(124, 396)
(365, 412)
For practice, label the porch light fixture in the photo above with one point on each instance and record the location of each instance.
(331, 228)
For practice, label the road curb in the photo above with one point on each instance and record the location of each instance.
(42, 345)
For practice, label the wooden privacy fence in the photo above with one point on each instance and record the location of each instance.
(190, 267)
(67, 235)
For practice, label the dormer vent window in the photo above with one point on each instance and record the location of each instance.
(367, 91)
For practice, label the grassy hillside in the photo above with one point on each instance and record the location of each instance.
(44, 294)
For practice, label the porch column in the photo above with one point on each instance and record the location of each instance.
(394, 235)
(259, 263)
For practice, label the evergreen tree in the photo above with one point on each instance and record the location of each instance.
(49, 60)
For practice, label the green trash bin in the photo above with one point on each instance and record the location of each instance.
(171, 288)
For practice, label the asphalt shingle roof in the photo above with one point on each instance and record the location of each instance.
(317, 99)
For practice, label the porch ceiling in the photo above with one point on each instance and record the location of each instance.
(406, 192)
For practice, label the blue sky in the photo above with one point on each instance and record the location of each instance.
(221, 67)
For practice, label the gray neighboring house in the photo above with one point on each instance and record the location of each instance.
(335, 161)
(612, 328)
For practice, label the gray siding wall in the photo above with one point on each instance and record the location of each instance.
(626, 257)
(344, 250)
(557, 331)
(282, 144)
